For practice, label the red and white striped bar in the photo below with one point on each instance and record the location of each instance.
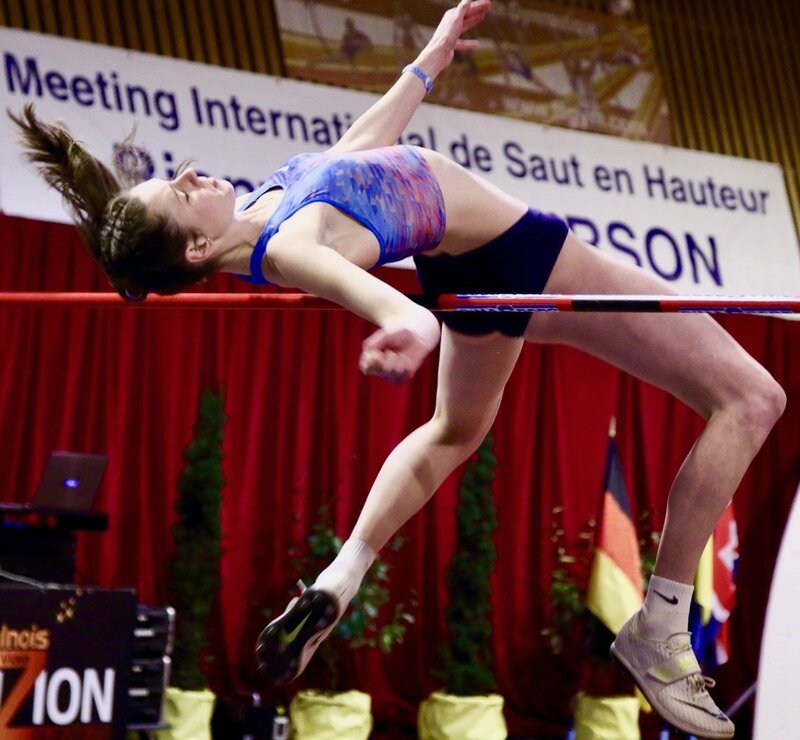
(483, 302)
(622, 303)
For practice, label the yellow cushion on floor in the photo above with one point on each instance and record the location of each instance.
(319, 716)
(448, 717)
(607, 717)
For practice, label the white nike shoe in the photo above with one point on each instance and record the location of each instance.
(667, 673)
(287, 643)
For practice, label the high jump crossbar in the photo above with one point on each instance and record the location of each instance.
(445, 302)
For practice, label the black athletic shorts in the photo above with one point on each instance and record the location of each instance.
(520, 260)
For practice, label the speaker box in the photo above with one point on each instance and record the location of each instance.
(153, 640)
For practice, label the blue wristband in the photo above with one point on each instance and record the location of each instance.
(417, 72)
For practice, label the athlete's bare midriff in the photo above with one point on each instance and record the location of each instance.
(467, 201)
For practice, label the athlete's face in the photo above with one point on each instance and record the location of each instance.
(198, 204)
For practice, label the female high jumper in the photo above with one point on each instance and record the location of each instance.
(323, 219)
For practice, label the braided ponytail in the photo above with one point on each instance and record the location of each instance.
(140, 252)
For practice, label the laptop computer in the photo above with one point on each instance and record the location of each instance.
(70, 481)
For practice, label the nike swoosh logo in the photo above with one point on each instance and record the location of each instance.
(287, 638)
(669, 599)
(715, 715)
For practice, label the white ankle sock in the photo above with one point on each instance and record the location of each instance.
(666, 608)
(343, 576)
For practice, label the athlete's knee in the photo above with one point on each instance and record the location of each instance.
(769, 401)
(466, 434)
(761, 402)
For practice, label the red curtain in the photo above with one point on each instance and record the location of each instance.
(305, 429)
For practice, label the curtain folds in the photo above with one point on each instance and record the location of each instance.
(305, 429)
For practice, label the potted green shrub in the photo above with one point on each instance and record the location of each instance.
(331, 708)
(193, 574)
(467, 706)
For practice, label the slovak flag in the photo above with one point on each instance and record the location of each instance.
(715, 593)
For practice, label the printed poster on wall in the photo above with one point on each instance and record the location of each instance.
(589, 70)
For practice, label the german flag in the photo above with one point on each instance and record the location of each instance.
(615, 582)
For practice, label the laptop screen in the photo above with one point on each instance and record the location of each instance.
(70, 481)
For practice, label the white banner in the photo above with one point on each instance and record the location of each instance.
(707, 223)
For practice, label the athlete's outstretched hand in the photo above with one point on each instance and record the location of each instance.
(393, 354)
(446, 39)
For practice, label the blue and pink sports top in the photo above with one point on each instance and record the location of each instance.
(391, 191)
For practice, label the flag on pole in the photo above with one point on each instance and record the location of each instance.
(715, 593)
(615, 582)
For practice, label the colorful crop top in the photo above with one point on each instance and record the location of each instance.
(391, 191)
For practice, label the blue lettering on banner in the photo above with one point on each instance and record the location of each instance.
(103, 90)
(663, 254)
(24, 76)
(556, 170)
(614, 180)
(231, 114)
(658, 249)
(704, 193)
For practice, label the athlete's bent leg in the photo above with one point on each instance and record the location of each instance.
(693, 358)
(472, 375)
